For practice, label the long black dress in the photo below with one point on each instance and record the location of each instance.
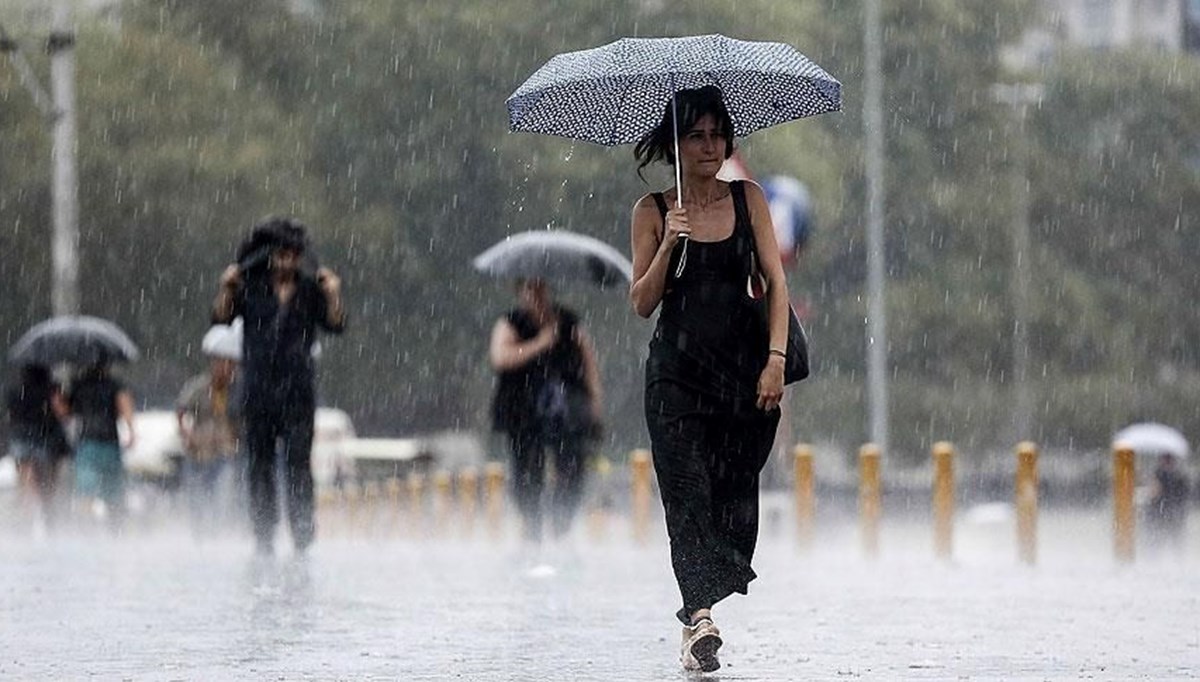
(709, 439)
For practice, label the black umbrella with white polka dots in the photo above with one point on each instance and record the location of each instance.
(615, 94)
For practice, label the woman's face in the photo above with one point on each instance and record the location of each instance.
(702, 149)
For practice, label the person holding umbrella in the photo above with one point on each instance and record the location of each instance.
(717, 363)
(281, 305)
(548, 398)
(715, 373)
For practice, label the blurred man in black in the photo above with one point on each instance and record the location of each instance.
(281, 306)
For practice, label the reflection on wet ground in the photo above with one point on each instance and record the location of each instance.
(154, 605)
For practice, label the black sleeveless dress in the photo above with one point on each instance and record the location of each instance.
(709, 439)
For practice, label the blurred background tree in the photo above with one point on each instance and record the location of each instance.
(382, 125)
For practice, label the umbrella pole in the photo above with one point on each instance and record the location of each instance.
(678, 180)
(678, 173)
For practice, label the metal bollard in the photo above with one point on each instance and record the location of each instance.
(493, 490)
(442, 485)
(943, 500)
(805, 501)
(468, 493)
(1027, 502)
(416, 495)
(1124, 478)
(598, 515)
(370, 494)
(327, 507)
(639, 461)
(351, 493)
(869, 498)
(394, 491)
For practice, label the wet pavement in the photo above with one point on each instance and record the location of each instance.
(154, 605)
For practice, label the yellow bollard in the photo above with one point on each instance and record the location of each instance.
(943, 499)
(1123, 519)
(370, 493)
(1027, 502)
(350, 498)
(805, 501)
(870, 504)
(598, 515)
(394, 491)
(416, 501)
(493, 491)
(442, 484)
(327, 508)
(639, 461)
(468, 493)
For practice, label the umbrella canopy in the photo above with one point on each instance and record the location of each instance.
(77, 339)
(557, 255)
(225, 341)
(1153, 439)
(616, 93)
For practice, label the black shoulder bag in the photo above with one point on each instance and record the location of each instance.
(795, 364)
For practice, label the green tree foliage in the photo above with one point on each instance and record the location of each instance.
(382, 125)
(1116, 187)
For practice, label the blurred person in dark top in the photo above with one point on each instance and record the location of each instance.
(37, 441)
(98, 401)
(1167, 508)
(281, 305)
(548, 399)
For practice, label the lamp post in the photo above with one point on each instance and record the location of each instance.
(58, 108)
(877, 388)
(61, 46)
(1018, 96)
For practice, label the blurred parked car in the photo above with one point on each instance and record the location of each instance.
(157, 452)
(333, 431)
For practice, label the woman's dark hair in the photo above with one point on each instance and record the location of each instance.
(35, 375)
(94, 371)
(691, 106)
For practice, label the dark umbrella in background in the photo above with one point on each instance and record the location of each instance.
(556, 255)
(76, 339)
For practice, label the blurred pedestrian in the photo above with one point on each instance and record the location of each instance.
(548, 401)
(37, 441)
(715, 373)
(209, 413)
(282, 305)
(1167, 507)
(98, 402)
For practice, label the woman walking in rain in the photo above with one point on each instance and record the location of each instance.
(548, 397)
(38, 443)
(715, 373)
